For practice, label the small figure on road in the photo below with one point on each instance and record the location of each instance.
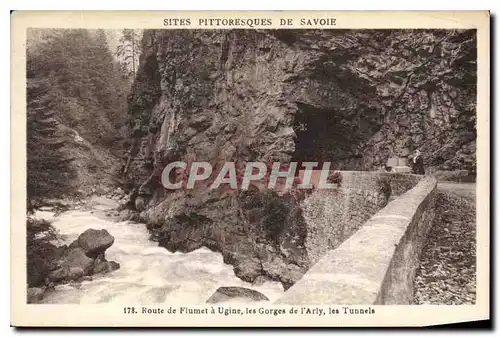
(418, 163)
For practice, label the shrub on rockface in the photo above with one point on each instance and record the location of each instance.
(145, 93)
(272, 217)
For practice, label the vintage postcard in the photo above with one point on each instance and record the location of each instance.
(273, 169)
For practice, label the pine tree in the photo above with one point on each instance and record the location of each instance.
(48, 167)
(128, 52)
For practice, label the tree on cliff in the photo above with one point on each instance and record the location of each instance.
(128, 51)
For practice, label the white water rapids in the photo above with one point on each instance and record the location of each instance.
(148, 273)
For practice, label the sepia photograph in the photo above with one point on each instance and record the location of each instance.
(218, 168)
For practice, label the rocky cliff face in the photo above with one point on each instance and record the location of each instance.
(246, 95)
(426, 84)
(281, 95)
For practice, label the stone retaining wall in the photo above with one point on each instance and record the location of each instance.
(332, 216)
(376, 265)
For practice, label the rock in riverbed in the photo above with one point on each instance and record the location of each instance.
(103, 266)
(94, 242)
(76, 262)
(76, 258)
(224, 294)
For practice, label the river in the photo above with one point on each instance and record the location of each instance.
(148, 274)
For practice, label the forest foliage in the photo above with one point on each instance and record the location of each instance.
(75, 90)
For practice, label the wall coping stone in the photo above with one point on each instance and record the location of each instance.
(356, 271)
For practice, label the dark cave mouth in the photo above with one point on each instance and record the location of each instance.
(321, 136)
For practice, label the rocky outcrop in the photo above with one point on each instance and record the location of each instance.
(71, 264)
(259, 233)
(353, 98)
(445, 146)
(428, 99)
(83, 257)
(224, 294)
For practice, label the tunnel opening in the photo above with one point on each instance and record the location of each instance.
(324, 135)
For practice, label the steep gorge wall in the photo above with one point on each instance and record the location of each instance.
(247, 95)
(222, 96)
(427, 92)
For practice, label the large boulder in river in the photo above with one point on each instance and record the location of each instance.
(72, 266)
(84, 257)
(94, 242)
(76, 258)
(66, 274)
(76, 264)
(224, 294)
